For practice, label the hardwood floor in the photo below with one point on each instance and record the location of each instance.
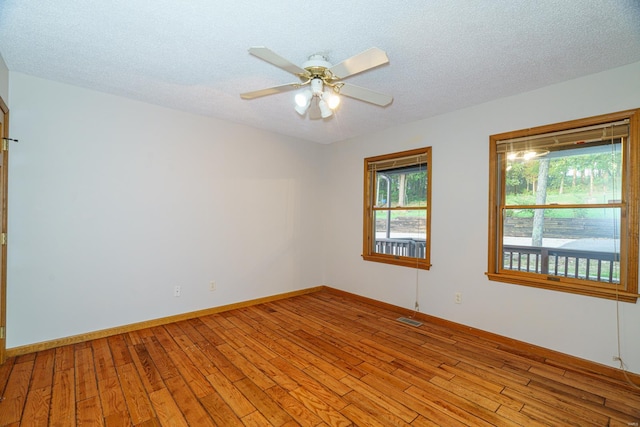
(313, 360)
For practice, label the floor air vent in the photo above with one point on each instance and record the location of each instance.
(409, 321)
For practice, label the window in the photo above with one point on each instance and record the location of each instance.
(563, 211)
(397, 204)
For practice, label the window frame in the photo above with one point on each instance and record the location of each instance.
(368, 253)
(627, 290)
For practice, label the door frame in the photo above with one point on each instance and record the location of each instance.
(4, 164)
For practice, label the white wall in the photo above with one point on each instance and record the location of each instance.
(573, 324)
(4, 80)
(113, 202)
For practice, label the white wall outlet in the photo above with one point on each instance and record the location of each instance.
(458, 298)
(212, 285)
(177, 291)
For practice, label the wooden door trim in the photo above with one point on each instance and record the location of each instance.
(3, 224)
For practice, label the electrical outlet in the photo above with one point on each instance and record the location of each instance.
(212, 285)
(458, 298)
(177, 291)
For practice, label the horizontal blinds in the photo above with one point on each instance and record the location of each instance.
(398, 162)
(598, 134)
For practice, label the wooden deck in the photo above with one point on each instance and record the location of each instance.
(322, 359)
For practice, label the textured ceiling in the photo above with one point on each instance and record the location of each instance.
(192, 55)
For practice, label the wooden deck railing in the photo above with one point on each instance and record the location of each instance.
(590, 265)
(409, 247)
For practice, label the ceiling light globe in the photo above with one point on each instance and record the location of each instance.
(325, 111)
(303, 101)
(300, 110)
(302, 98)
(333, 100)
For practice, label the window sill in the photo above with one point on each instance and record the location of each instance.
(564, 286)
(398, 260)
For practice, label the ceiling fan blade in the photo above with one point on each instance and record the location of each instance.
(361, 62)
(269, 91)
(366, 95)
(271, 57)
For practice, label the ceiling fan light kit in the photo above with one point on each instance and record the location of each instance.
(326, 99)
(322, 82)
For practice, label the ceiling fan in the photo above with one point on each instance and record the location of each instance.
(322, 81)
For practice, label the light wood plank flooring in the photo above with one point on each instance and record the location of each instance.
(322, 359)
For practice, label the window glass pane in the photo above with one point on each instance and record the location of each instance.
(565, 242)
(585, 175)
(563, 206)
(402, 187)
(401, 232)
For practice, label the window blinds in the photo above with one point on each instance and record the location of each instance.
(562, 140)
(395, 163)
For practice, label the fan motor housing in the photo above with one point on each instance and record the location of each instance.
(318, 66)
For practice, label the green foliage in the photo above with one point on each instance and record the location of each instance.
(381, 215)
(576, 170)
(415, 188)
(576, 198)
